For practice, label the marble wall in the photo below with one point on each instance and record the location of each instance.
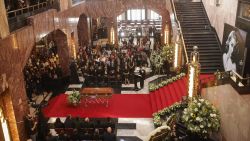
(224, 13)
(16, 47)
(82, 29)
(234, 111)
(4, 30)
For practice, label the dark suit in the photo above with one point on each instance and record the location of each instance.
(109, 137)
(142, 73)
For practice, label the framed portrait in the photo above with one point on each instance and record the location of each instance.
(234, 49)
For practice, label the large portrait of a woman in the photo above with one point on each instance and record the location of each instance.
(233, 46)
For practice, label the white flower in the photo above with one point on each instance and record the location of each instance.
(201, 126)
(209, 125)
(196, 109)
(197, 118)
(199, 104)
(201, 100)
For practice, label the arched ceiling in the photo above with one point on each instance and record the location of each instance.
(113, 8)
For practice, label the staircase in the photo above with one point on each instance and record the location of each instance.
(168, 95)
(197, 31)
(172, 93)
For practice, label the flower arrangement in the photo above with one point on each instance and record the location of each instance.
(74, 98)
(168, 111)
(153, 86)
(162, 129)
(156, 59)
(168, 52)
(201, 117)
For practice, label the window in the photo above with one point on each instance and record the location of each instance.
(154, 16)
(136, 14)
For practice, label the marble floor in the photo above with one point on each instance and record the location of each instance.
(143, 127)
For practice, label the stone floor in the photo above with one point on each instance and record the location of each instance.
(143, 127)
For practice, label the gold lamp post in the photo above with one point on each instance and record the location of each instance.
(177, 52)
(4, 126)
(193, 73)
(112, 35)
(166, 34)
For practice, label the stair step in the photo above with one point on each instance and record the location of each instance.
(157, 100)
(200, 38)
(167, 96)
(152, 99)
(162, 98)
(177, 90)
(171, 98)
(183, 87)
(197, 32)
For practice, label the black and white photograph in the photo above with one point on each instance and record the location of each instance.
(233, 47)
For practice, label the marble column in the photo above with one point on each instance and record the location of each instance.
(4, 26)
(63, 50)
(82, 29)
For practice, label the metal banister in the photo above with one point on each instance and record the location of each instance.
(181, 33)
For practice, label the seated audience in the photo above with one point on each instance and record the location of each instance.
(109, 136)
(58, 123)
(69, 123)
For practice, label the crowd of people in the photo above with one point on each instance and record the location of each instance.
(111, 64)
(75, 129)
(42, 67)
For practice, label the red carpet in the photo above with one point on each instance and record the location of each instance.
(121, 105)
(125, 105)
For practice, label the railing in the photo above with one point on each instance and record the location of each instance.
(18, 18)
(28, 9)
(239, 78)
(220, 78)
(159, 79)
(181, 33)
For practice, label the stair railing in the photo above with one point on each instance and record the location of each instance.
(181, 33)
(240, 79)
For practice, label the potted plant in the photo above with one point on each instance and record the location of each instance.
(74, 98)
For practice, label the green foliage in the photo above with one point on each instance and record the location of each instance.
(74, 98)
(158, 57)
(201, 117)
(153, 86)
(168, 53)
(167, 112)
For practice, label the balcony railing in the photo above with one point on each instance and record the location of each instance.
(18, 18)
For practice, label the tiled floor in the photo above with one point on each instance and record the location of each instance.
(143, 127)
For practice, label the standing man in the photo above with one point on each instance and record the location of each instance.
(142, 74)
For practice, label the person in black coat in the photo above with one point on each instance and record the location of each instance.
(109, 136)
(58, 123)
(68, 122)
(73, 73)
(142, 74)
